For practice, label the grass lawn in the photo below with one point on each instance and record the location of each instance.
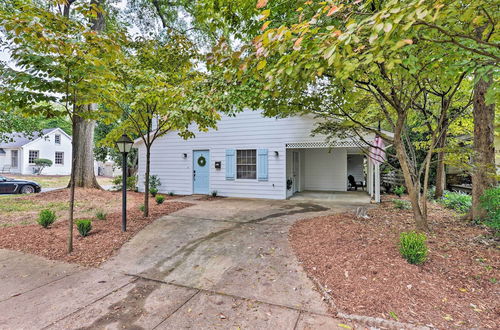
(20, 231)
(55, 181)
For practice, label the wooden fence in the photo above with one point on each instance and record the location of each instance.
(392, 179)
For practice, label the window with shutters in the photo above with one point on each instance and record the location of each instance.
(246, 164)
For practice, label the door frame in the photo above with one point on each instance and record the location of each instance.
(192, 169)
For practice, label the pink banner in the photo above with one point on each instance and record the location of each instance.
(377, 153)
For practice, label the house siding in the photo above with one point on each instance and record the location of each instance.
(7, 159)
(325, 170)
(248, 130)
(47, 149)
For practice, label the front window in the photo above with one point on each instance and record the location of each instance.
(14, 158)
(59, 158)
(246, 164)
(57, 139)
(33, 154)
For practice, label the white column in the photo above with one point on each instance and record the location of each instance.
(377, 183)
(369, 176)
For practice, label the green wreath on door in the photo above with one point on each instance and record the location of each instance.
(202, 161)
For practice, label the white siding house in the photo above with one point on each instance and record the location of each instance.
(19, 151)
(253, 156)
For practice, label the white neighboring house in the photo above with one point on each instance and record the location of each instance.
(19, 152)
(257, 157)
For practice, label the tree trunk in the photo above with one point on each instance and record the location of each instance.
(483, 173)
(146, 181)
(83, 140)
(426, 177)
(440, 166)
(412, 186)
(440, 175)
(71, 196)
(83, 134)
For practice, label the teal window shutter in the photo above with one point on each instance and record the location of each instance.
(230, 164)
(263, 165)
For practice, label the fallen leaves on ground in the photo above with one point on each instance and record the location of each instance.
(358, 261)
(105, 238)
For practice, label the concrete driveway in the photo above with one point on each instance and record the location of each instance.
(218, 264)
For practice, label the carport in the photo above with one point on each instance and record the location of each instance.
(320, 170)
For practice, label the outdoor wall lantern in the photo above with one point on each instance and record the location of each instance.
(124, 145)
(184, 155)
(218, 165)
(276, 153)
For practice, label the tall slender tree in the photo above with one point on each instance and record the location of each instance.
(59, 61)
(157, 90)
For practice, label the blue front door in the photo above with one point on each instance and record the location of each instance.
(201, 171)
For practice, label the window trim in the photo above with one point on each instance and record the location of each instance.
(62, 158)
(55, 139)
(236, 165)
(29, 156)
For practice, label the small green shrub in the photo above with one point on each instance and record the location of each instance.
(84, 227)
(431, 192)
(214, 193)
(160, 199)
(457, 201)
(46, 218)
(490, 201)
(413, 247)
(171, 193)
(153, 191)
(101, 215)
(131, 183)
(401, 204)
(154, 182)
(142, 207)
(399, 191)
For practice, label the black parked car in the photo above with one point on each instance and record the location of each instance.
(18, 186)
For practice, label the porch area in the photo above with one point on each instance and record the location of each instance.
(336, 173)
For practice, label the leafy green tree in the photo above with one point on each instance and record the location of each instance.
(350, 65)
(13, 121)
(59, 61)
(42, 163)
(156, 90)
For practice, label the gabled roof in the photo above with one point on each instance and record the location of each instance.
(16, 140)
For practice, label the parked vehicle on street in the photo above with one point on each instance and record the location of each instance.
(18, 186)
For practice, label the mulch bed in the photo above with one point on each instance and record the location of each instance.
(357, 262)
(105, 238)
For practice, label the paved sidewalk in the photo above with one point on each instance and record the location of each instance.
(217, 264)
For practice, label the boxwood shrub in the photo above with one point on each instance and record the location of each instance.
(84, 227)
(413, 247)
(46, 218)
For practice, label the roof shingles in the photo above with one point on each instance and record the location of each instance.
(16, 140)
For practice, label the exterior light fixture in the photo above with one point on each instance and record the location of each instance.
(124, 145)
(184, 155)
(276, 153)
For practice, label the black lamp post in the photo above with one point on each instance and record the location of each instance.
(124, 145)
